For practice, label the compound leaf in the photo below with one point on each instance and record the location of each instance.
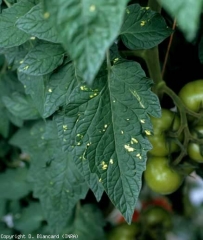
(42, 59)
(13, 184)
(38, 24)
(87, 29)
(107, 126)
(143, 28)
(10, 35)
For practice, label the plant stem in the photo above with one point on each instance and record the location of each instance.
(7, 3)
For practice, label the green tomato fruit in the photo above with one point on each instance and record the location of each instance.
(195, 150)
(192, 95)
(156, 215)
(168, 121)
(161, 177)
(124, 232)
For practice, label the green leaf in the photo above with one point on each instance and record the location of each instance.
(36, 23)
(87, 29)
(57, 182)
(107, 126)
(59, 87)
(10, 35)
(42, 59)
(143, 28)
(30, 219)
(4, 122)
(187, 13)
(13, 184)
(2, 207)
(200, 50)
(21, 106)
(88, 217)
(34, 86)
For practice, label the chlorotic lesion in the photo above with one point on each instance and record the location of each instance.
(129, 148)
(133, 140)
(104, 165)
(148, 132)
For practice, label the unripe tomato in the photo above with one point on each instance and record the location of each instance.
(192, 95)
(168, 121)
(195, 150)
(124, 232)
(161, 177)
(156, 215)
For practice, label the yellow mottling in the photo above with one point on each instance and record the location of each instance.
(139, 156)
(32, 38)
(148, 132)
(128, 148)
(122, 132)
(21, 61)
(142, 121)
(50, 90)
(142, 23)
(65, 127)
(111, 161)
(115, 60)
(46, 15)
(26, 67)
(84, 88)
(92, 8)
(134, 140)
(127, 11)
(100, 180)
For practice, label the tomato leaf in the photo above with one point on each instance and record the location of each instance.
(42, 59)
(13, 184)
(106, 126)
(82, 224)
(12, 36)
(38, 25)
(87, 29)
(57, 182)
(143, 28)
(21, 106)
(187, 14)
(200, 50)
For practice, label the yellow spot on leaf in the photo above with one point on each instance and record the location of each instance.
(134, 140)
(139, 156)
(127, 11)
(111, 161)
(46, 15)
(142, 23)
(84, 88)
(148, 132)
(105, 126)
(147, 8)
(32, 38)
(121, 132)
(100, 180)
(92, 8)
(104, 165)
(142, 121)
(21, 61)
(50, 90)
(128, 148)
(26, 67)
(127, 119)
(115, 60)
(65, 127)
(114, 101)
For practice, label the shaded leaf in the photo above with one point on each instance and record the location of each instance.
(13, 184)
(87, 30)
(200, 50)
(57, 182)
(11, 36)
(107, 125)
(143, 28)
(42, 59)
(187, 13)
(30, 219)
(36, 23)
(21, 106)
